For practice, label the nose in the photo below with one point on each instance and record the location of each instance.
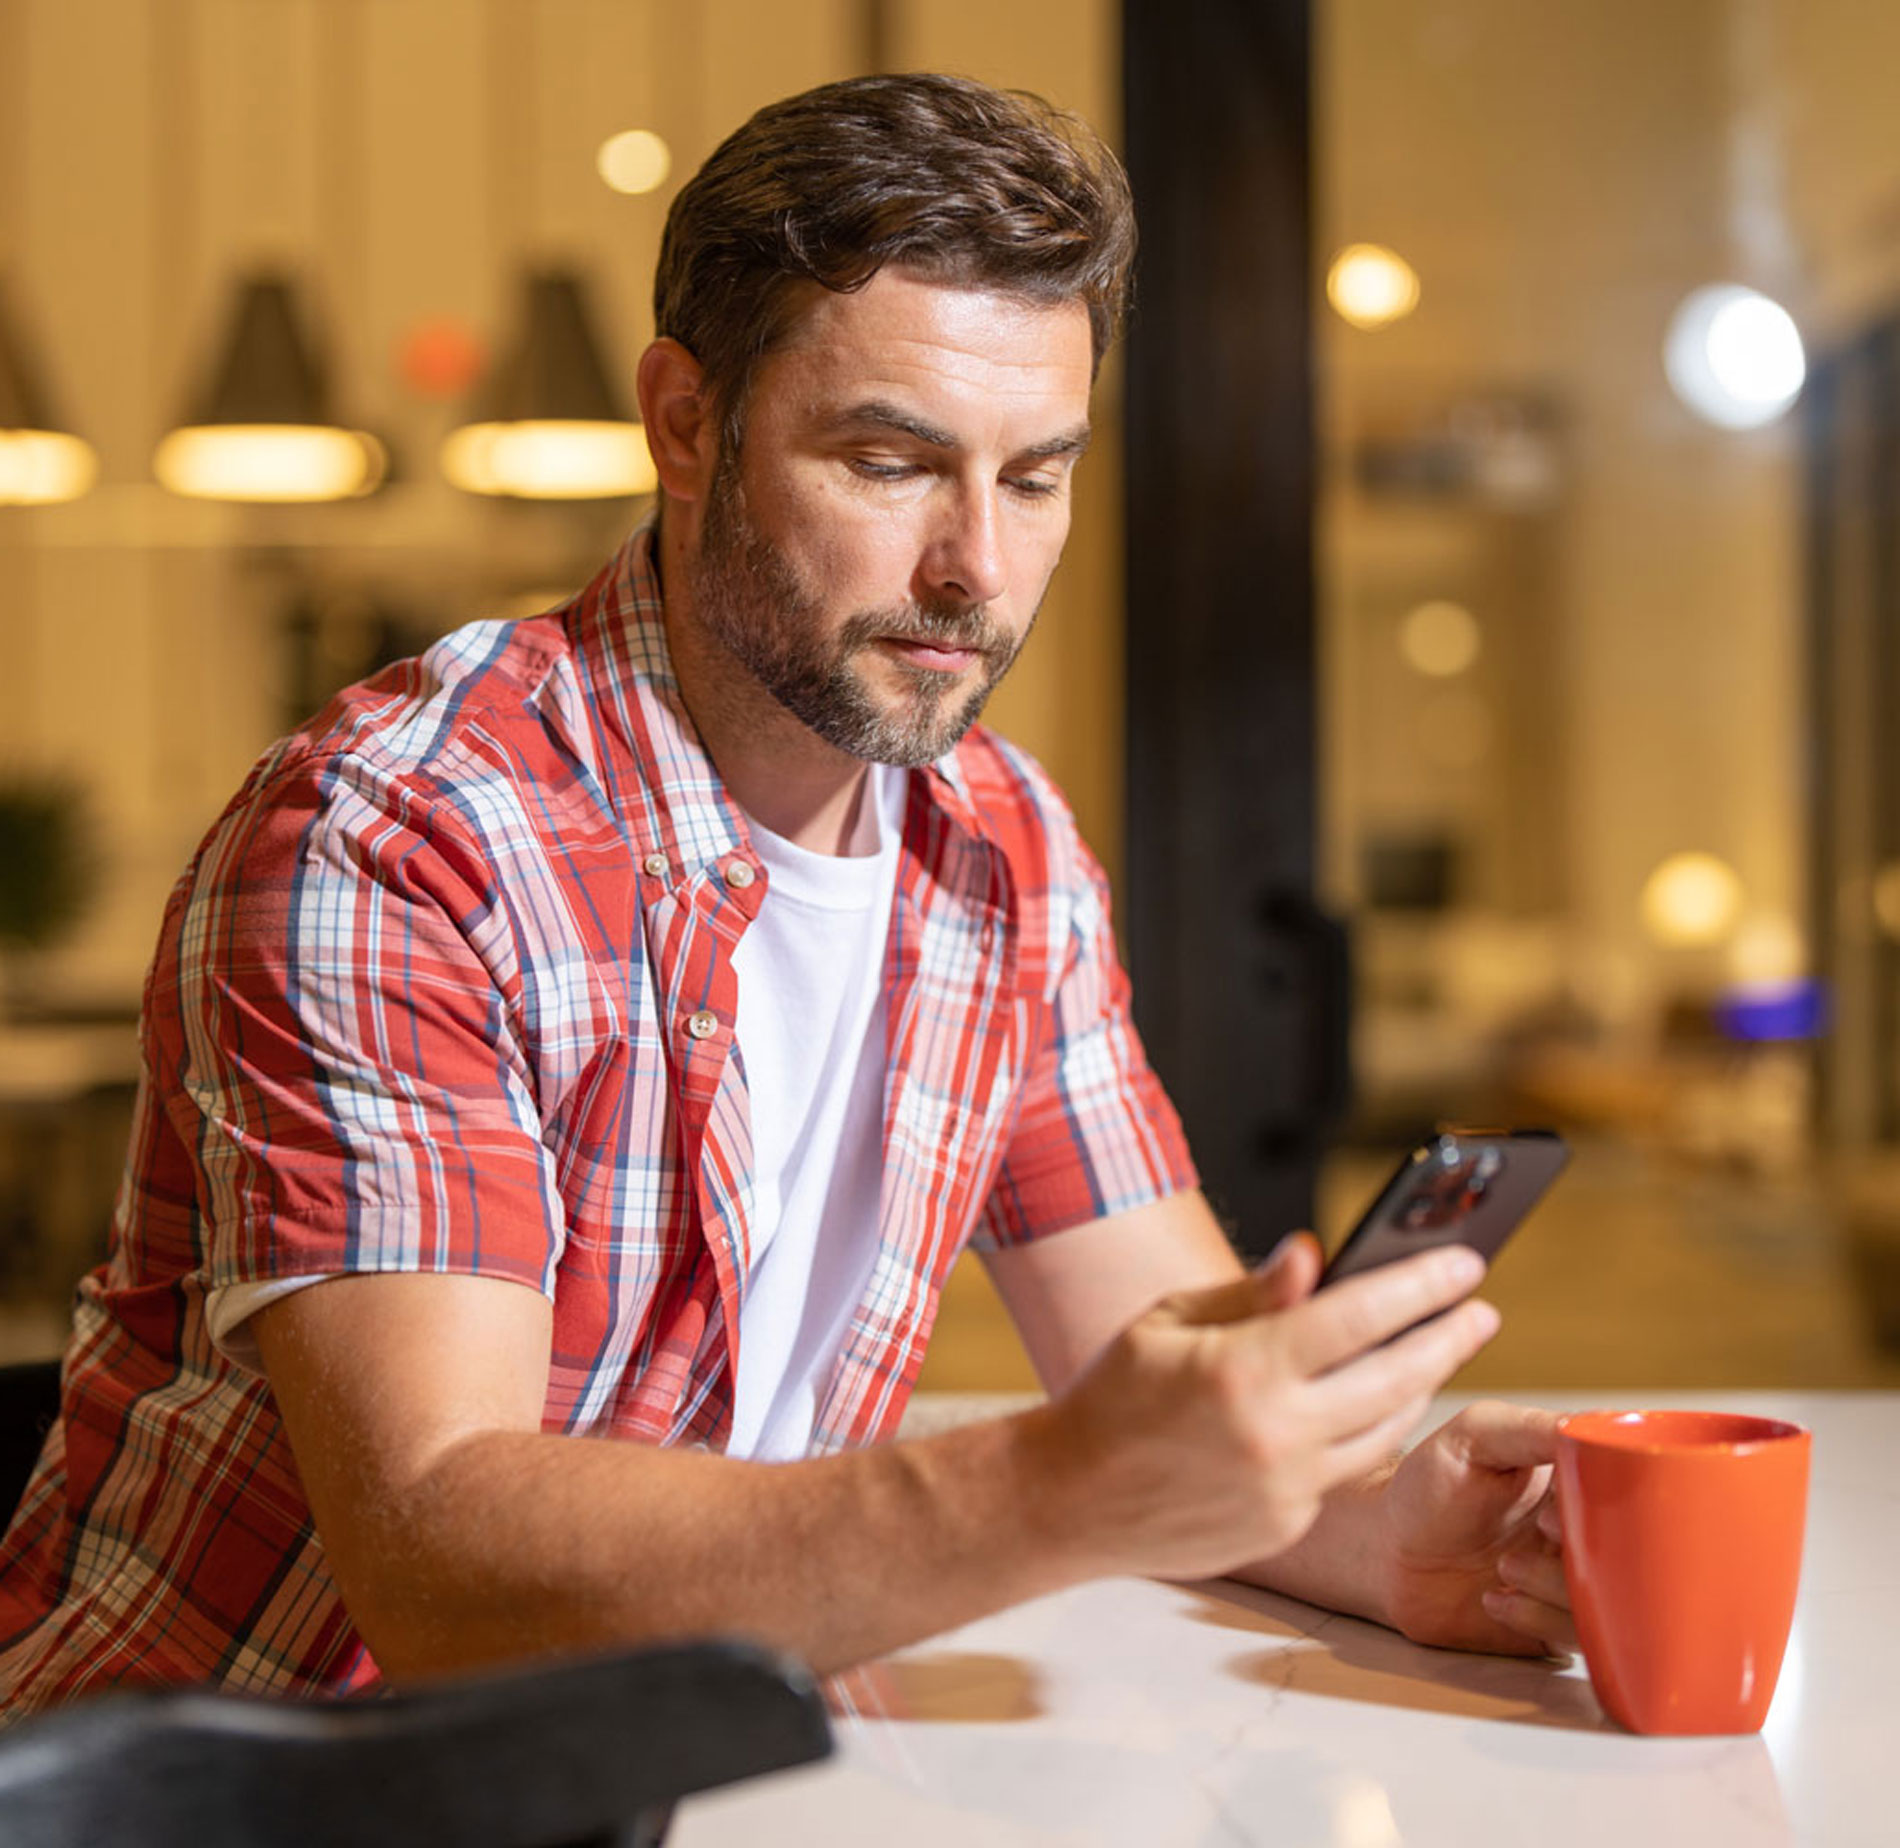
(964, 559)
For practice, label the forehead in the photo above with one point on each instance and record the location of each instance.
(904, 335)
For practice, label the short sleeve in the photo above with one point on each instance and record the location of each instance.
(1096, 1133)
(329, 1018)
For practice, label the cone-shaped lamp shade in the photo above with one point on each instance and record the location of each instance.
(549, 424)
(39, 462)
(261, 428)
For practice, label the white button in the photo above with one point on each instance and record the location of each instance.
(655, 864)
(702, 1025)
(738, 875)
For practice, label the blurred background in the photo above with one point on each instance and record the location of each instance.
(1546, 666)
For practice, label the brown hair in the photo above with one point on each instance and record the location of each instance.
(962, 183)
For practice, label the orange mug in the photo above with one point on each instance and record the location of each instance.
(1682, 1550)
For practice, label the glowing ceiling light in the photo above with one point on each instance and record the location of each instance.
(1371, 286)
(269, 462)
(550, 423)
(634, 161)
(40, 467)
(1440, 639)
(1691, 899)
(552, 459)
(40, 461)
(260, 428)
(1734, 356)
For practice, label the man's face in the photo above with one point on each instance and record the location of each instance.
(875, 554)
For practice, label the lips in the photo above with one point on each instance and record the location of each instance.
(942, 657)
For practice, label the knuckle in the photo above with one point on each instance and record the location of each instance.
(1226, 1380)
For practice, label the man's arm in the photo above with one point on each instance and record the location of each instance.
(1459, 1549)
(1203, 1435)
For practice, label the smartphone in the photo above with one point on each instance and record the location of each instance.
(1464, 1187)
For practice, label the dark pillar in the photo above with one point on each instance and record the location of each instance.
(1239, 981)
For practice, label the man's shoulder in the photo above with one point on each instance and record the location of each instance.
(441, 744)
(465, 694)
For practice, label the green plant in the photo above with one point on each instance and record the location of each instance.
(49, 864)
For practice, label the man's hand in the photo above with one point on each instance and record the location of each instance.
(1473, 1554)
(1211, 1430)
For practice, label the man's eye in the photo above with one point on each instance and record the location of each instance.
(1034, 487)
(883, 471)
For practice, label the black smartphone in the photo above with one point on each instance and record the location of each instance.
(1464, 1187)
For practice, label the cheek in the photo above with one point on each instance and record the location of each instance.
(858, 556)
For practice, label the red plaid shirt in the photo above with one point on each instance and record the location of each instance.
(449, 987)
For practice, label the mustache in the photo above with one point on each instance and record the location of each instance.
(940, 625)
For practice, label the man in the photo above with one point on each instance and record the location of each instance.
(611, 1026)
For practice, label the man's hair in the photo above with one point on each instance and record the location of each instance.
(942, 176)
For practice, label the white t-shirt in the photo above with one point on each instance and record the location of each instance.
(811, 1030)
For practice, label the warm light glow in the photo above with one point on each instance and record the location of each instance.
(636, 161)
(1440, 639)
(269, 462)
(1371, 286)
(38, 467)
(1734, 357)
(1886, 899)
(1691, 899)
(1362, 1816)
(550, 460)
(1768, 951)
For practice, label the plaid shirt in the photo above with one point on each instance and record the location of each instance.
(449, 987)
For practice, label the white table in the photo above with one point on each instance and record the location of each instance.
(1129, 1711)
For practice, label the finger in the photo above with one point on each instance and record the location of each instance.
(1361, 1392)
(1530, 1617)
(1350, 1317)
(1350, 1457)
(1285, 1278)
(1538, 1573)
(1291, 1272)
(1494, 1435)
(1550, 1520)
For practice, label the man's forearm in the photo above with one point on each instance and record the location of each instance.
(1341, 1561)
(515, 1543)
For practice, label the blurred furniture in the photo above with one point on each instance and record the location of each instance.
(66, 1097)
(1131, 1713)
(29, 1402)
(1865, 1188)
(585, 1750)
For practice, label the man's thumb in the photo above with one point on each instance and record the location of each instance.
(1290, 1271)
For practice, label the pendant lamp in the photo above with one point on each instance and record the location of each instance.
(261, 428)
(549, 424)
(39, 462)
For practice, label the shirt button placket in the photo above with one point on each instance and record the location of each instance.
(702, 1025)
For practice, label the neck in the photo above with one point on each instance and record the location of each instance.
(776, 768)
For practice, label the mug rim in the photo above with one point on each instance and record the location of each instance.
(1632, 1430)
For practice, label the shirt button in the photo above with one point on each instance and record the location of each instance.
(655, 865)
(702, 1025)
(738, 875)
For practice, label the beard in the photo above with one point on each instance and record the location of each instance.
(752, 601)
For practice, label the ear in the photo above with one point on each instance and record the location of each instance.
(679, 421)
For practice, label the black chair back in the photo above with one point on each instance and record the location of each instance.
(586, 1750)
(29, 1402)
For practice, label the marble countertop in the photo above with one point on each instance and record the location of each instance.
(1131, 1711)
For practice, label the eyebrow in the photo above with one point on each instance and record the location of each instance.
(880, 413)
